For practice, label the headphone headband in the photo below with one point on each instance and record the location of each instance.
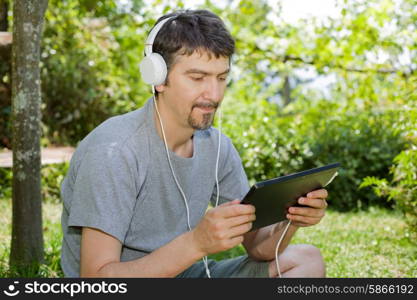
(153, 34)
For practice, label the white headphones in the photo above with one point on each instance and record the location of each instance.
(154, 71)
(153, 67)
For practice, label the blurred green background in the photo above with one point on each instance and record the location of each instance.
(340, 88)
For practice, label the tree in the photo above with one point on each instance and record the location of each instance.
(27, 237)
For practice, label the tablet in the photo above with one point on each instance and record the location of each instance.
(273, 197)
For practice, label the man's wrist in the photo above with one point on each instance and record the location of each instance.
(190, 240)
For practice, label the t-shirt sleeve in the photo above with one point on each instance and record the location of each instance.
(104, 192)
(233, 182)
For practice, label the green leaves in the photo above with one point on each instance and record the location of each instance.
(402, 187)
(362, 118)
(90, 56)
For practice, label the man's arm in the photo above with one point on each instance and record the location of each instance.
(100, 257)
(220, 229)
(261, 244)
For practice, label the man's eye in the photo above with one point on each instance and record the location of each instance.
(197, 78)
(222, 78)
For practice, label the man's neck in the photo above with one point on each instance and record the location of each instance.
(178, 137)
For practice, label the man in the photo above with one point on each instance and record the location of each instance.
(124, 214)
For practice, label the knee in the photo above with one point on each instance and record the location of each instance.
(310, 254)
(310, 251)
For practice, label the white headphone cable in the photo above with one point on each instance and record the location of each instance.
(175, 177)
(277, 247)
(217, 181)
(218, 155)
(169, 160)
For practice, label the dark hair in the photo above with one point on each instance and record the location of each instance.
(191, 30)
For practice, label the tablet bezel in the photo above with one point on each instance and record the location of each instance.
(291, 177)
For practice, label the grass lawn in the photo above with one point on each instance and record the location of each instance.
(371, 243)
(51, 214)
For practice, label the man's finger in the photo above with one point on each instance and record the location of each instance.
(306, 211)
(322, 193)
(315, 203)
(237, 210)
(302, 219)
(228, 203)
(239, 230)
(239, 220)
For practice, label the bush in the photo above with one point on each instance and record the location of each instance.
(264, 139)
(304, 135)
(364, 142)
(6, 183)
(5, 103)
(51, 178)
(90, 53)
(89, 70)
(402, 187)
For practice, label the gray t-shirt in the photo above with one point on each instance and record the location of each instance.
(120, 182)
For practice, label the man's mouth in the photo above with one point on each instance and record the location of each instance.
(207, 108)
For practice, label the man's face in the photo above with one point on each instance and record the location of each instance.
(195, 88)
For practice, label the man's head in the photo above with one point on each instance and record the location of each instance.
(192, 30)
(197, 49)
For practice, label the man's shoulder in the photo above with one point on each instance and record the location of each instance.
(123, 126)
(118, 133)
(118, 130)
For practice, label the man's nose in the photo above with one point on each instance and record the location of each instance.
(213, 90)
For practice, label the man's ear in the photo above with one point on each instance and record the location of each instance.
(160, 88)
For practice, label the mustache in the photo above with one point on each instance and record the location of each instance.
(207, 105)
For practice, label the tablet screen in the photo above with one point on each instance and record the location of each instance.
(273, 197)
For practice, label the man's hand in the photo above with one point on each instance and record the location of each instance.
(223, 227)
(308, 216)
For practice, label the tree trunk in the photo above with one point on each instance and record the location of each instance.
(287, 91)
(27, 237)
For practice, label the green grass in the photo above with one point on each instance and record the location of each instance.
(371, 243)
(364, 244)
(51, 213)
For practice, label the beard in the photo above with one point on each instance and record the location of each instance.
(207, 118)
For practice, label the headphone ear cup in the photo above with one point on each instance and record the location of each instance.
(153, 69)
